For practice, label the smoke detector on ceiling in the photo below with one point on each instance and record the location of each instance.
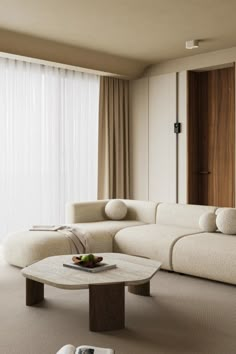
(194, 43)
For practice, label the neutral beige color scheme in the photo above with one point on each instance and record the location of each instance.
(181, 117)
(207, 61)
(156, 152)
(184, 315)
(152, 241)
(127, 29)
(138, 105)
(116, 210)
(38, 48)
(85, 212)
(98, 236)
(130, 270)
(26, 247)
(207, 255)
(144, 211)
(207, 222)
(174, 224)
(113, 141)
(183, 215)
(162, 145)
(226, 221)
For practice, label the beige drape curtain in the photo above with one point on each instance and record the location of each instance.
(113, 140)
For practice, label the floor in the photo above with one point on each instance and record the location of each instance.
(184, 315)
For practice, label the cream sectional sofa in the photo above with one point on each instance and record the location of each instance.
(166, 232)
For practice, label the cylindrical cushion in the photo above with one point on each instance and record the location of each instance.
(116, 209)
(26, 247)
(226, 221)
(207, 222)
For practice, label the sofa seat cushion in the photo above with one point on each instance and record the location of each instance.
(151, 241)
(98, 236)
(207, 255)
(26, 247)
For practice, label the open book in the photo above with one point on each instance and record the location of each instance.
(87, 349)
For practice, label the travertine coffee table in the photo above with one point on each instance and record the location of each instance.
(106, 289)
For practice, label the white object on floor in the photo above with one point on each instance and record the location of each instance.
(70, 349)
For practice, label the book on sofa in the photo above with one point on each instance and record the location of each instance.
(46, 227)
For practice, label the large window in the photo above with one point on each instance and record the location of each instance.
(48, 142)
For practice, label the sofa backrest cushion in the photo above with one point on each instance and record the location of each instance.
(83, 212)
(185, 215)
(86, 212)
(144, 211)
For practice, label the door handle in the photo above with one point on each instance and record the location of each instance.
(204, 172)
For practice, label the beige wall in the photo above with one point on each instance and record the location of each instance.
(195, 62)
(28, 46)
(219, 58)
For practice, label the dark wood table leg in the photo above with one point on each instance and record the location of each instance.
(140, 289)
(106, 307)
(34, 292)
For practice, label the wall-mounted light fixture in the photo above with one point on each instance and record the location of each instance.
(194, 43)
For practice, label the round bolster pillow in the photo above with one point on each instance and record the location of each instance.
(226, 221)
(116, 209)
(207, 222)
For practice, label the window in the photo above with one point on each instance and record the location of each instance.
(48, 142)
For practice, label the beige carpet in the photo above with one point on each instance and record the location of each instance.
(185, 315)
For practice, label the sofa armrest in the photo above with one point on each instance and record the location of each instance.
(85, 212)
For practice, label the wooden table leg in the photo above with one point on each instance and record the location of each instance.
(140, 289)
(106, 307)
(34, 292)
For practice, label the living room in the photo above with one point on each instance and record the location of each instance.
(117, 139)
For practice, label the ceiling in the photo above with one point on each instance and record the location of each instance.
(148, 31)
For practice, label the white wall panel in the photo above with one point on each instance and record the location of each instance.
(162, 140)
(139, 139)
(182, 138)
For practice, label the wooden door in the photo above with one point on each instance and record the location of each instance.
(211, 137)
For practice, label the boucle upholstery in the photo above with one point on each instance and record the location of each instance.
(116, 210)
(226, 221)
(184, 215)
(207, 222)
(26, 247)
(207, 255)
(152, 241)
(99, 235)
(144, 211)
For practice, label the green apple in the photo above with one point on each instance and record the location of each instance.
(88, 258)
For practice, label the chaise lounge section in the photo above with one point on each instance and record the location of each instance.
(169, 233)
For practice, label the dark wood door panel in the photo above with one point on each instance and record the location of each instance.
(211, 139)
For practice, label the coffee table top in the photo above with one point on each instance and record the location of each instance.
(130, 270)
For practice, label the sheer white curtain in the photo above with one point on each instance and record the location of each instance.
(48, 142)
